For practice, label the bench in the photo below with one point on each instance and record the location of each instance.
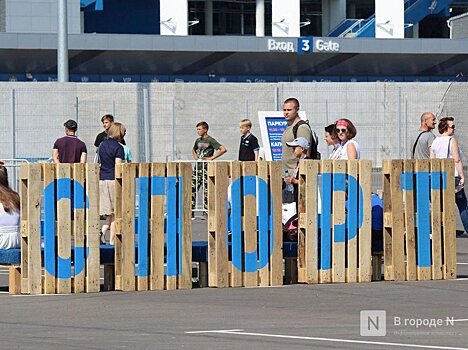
(11, 258)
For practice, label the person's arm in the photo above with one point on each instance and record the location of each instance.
(351, 149)
(458, 162)
(55, 156)
(431, 153)
(84, 157)
(256, 154)
(221, 150)
(255, 146)
(118, 160)
(194, 154)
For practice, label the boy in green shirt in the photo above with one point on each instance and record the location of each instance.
(206, 148)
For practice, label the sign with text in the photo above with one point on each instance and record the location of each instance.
(309, 44)
(272, 125)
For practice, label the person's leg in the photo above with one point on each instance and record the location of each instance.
(112, 229)
(461, 201)
(105, 228)
(462, 205)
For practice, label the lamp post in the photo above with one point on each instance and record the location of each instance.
(62, 45)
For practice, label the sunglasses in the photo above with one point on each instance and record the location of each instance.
(341, 130)
(452, 127)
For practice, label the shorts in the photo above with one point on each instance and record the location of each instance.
(9, 240)
(106, 197)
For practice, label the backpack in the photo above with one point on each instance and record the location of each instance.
(312, 152)
(290, 229)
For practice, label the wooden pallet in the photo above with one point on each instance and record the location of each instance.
(334, 221)
(56, 189)
(164, 217)
(419, 220)
(255, 221)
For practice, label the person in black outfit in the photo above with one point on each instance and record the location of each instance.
(248, 148)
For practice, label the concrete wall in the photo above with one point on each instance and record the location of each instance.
(39, 16)
(460, 28)
(385, 114)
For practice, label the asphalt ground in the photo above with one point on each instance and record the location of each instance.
(292, 317)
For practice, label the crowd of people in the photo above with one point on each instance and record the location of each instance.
(111, 149)
(299, 142)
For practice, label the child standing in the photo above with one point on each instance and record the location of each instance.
(248, 149)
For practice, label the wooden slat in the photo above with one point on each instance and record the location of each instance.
(142, 281)
(79, 228)
(352, 244)
(212, 221)
(262, 214)
(276, 260)
(449, 221)
(236, 274)
(24, 203)
(49, 177)
(128, 227)
(171, 281)
(398, 230)
(408, 195)
(302, 227)
(34, 231)
(64, 230)
(249, 169)
(222, 276)
(338, 222)
(118, 226)
(158, 170)
(436, 219)
(308, 208)
(92, 229)
(185, 173)
(423, 219)
(388, 222)
(325, 274)
(365, 232)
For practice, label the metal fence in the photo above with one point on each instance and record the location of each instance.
(161, 117)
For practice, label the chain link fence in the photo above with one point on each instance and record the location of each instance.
(161, 117)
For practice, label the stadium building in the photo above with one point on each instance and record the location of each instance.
(230, 41)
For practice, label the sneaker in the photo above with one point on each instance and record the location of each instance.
(460, 233)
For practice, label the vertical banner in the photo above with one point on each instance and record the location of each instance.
(173, 17)
(272, 125)
(285, 18)
(389, 19)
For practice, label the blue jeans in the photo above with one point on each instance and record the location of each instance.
(462, 204)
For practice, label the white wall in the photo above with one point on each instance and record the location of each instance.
(39, 16)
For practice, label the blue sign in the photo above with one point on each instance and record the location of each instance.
(275, 129)
(305, 45)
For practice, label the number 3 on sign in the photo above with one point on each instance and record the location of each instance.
(304, 45)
